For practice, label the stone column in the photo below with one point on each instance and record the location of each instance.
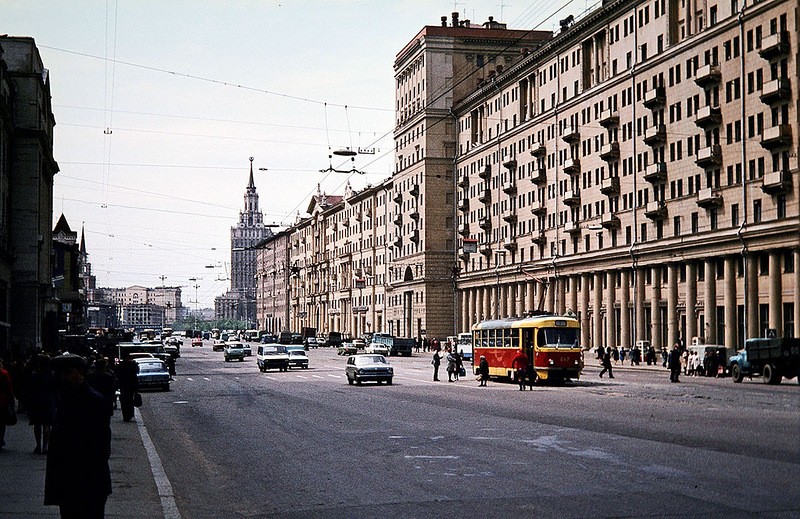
(494, 302)
(551, 295)
(530, 296)
(597, 303)
(511, 299)
(520, 299)
(611, 322)
(796, 256)
(624, 312)
(655, 309)
(541, 291)
(641, 333)
(561, 296)
(672, 305)
(573, 293)
(464, 311)
(584, 311)
(730, 302)
(751, 271)
(775, 299)
(691, 301)
(710, 303)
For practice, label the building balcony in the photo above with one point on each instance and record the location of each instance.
(656, 172)
(398, 220)
(708, 116)
(776, 136)
(510, 188)
(463, 180)
(709, 157)
(610, 151)
(398, 198)
(510, 164)
(539, 237)
(414, 236)
(485, 223)
(777, 182)
(538, 175)
(610, 186)
(346, 223)
(609, 221)
(656, 210)
(774, 45)
(538, 208)
(572, 228)
(463, 205)
(414, 191)
(708, 198)
(485, 195)
(414, 215)
(510, 244)
(463, 229)
(609, 118)
(572, 197)
(572, 166)
(462, 254)
(538, 149)
(776, 90)
(510, 218)
(486, 172)
(655, 135)
(655, 97)
(485, 249)
(707, 75)
(571, 133)
(398, 242)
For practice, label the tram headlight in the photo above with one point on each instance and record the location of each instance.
(551, 362)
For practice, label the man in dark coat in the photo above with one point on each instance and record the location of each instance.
(437, 360)
(128, 382)
(674, 363)
(483, 370)
(607, 365)
(78, 478)
(104, 382)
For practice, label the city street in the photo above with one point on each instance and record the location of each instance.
(235, 442)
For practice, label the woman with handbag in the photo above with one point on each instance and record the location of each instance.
(7, 414)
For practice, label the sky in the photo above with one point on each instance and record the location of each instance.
(160, 104)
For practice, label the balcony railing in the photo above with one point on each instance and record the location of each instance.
(776, 90)
(655, 97)
(463, 205)
(656, 210)
(510, 188)
(572, 227)
(656, 172)
(774, 45)
(655, 135)
(572, 166)
(609, 118)
(571, 133)
(538, 149)
(708, 198)
(780, 135)
(777, 182)
(510, 218)
(709, 157)
(609, 221)
(707, 75)
(463, 180)
(572, 197)
(485, 196)
(610, 186)
(538, 175)
(708, 116)
(610, 151)
(486, 172)
(484, 223)
(538, 208)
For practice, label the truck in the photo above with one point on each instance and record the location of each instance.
(770, 359)
(396, 345)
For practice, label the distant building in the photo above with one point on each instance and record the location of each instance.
(240, 302)
(137, 304)
(28, 310)
(68, 283)
(272, 283)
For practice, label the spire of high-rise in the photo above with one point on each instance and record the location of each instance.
(251, 184)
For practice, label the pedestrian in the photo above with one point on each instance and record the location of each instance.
(437, 360)
(171, 366)
(622, 353)
(416, 344)
(483, 370)
(104, 382)
(685, 361)
(6, 402)
(530, 376)
(675, 363)
(77, 477)
(459, 362)
(606, 362)
(615, 355)
(425, 345)
(128, 382)
(664, 357)
(41, 402)
(451, 364)
(520, 366)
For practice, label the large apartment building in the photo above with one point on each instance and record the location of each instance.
(639, 170)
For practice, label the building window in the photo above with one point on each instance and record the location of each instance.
(757, 211)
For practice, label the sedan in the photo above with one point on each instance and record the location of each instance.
(197, 341)
(298, 359)
(347, 348)
(366, 367)
(376, 347)
(234, 350)
(153, 373)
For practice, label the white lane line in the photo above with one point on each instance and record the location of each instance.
(190, 379)
(301, 376)
(334, 376)
(407, 456)
(271, 378)
(207, 379)
(317, 376)
(164, 487)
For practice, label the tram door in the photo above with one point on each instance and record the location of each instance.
(527, 343)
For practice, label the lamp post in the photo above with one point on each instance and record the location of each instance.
(196, 302)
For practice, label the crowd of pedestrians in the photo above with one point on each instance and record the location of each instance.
(69, 401)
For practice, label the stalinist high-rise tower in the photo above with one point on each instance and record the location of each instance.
(240, 302)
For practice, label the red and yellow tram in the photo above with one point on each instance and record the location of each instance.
(551, 343)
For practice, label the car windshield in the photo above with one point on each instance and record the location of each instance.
(558, 338)
(150, 367)
(297, 353)
(371, 359)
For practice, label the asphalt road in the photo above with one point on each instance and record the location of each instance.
(235, 442)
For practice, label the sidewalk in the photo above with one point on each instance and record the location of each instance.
(22, 474)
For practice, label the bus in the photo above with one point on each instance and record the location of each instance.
(215, 333)
(551, 342)
(464, 345)
(166, 332)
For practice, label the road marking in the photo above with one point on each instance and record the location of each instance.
(271, 378)
(190, 379)
(206, 378)
(164, 487)
(317, 376)
(181, 402)
(334, 376)
(301, 376)
(424, 457)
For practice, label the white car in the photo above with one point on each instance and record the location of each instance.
(377, 348)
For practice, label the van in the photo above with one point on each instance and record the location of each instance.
(334, 339)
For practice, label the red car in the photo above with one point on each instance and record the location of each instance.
(197, 341)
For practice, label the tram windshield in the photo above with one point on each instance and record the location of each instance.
(558, 338)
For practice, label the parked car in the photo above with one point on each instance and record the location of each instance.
(197, 341)
(347, 348)
(141, 355)
(234, 350)
(268, 339)
(153, 373)
(378, 348)
(311, 342)
(272, 357)
(298, 359)
(359, 343)
(322, 341)
(218, 346)
(367, 367)
(248, 350)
